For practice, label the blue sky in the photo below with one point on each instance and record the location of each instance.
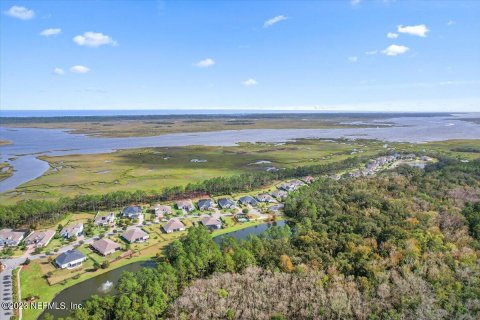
(323, 55)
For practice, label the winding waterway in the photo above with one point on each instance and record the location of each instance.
(28, 143)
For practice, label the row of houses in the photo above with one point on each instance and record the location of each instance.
(74, 258)
(12, 238)
(9, 237)
(374, 165)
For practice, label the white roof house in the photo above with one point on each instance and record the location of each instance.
(72, 230)
(39, 238)
(9, 237)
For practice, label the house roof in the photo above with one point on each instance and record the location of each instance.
(184, 203)
(72, 228)
(40, 236)
(163, 208)
(210, 221)
(105, 245)
(225, 202)
(134, 234)
(205, 203)
(69, 256)
(105, 216)
(173, 224)
(264, 196)
(9, 234)
(248, 199)
(132, 210)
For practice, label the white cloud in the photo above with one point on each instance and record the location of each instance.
(392, 35)
(371, 53)
(51, 32)
(353, 59)
(395, 50)
(205, 63)
(450, 23)
(59, 71)
(274, 20)
(79, 69)
(355, 2)
(94, 39)
(420, 30)
(20, 13)
(250, 82)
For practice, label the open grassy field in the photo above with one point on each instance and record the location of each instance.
(136, 126)
(157, 168)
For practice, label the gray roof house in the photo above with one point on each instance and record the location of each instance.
(226, 203)
(72, 230)
(279, 194)
(70, 259)
(105, 219)
(185, 205)
(248, 200)
(205, 204)
(264, 197)
(211, 222)
(105, 246)
(39, 238)
(9, 237)
(172, 225)
(132, 212)
(135, 235)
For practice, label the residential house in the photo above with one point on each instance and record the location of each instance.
(205, 204)
(135, 235)
(226, 203)
(105, 246)
(248, 200)
(11, 238)
(105, 219)
(39, 238)
(161, 209)
(185, 205)
(70, 259)
(132, 212)
(280, 195)
(72, 230)
(264, 197)
(211, 223)
(172, 225)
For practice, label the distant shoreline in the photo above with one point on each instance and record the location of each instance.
(15, 116)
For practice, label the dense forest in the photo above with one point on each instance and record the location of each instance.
(400, 245)
(31, 213)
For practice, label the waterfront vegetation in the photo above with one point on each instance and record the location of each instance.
(5, 170)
